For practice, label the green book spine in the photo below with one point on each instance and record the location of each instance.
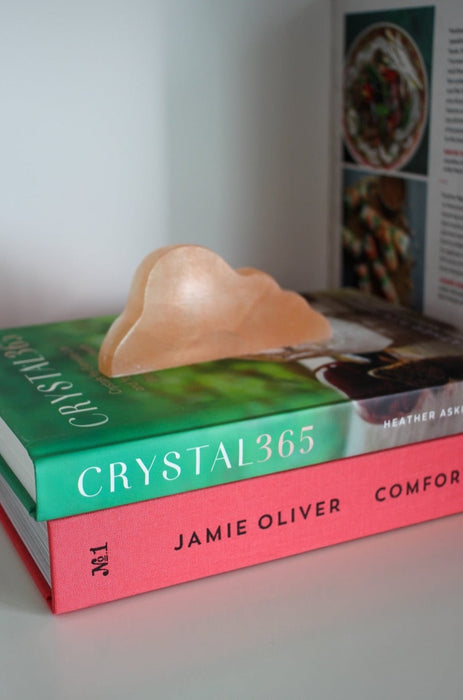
(85, 442)
(138, 470)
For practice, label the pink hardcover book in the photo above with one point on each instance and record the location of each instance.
(131, 549)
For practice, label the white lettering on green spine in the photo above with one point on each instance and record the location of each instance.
(35, 368)
(112, 475)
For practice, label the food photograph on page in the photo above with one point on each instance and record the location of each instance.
(383, 235)
(387, 87)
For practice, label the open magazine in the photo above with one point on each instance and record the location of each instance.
(399, 172)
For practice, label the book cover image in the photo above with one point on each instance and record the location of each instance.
(387, 377)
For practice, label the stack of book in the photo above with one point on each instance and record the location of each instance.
(111, 487)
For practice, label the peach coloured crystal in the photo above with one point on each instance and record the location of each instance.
(187, 305)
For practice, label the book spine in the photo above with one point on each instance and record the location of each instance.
(141, 547)
(138, 470)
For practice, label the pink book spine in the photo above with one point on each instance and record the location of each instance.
(136, 548)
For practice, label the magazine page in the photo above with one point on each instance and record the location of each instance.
(398, 158)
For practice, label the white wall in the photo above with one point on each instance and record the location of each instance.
(129, 124)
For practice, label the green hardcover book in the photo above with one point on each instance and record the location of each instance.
(76, 441)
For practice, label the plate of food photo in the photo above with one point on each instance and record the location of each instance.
(385, 97)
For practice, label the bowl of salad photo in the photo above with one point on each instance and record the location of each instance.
(385, 97)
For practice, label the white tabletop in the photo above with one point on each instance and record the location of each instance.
(377, 618)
